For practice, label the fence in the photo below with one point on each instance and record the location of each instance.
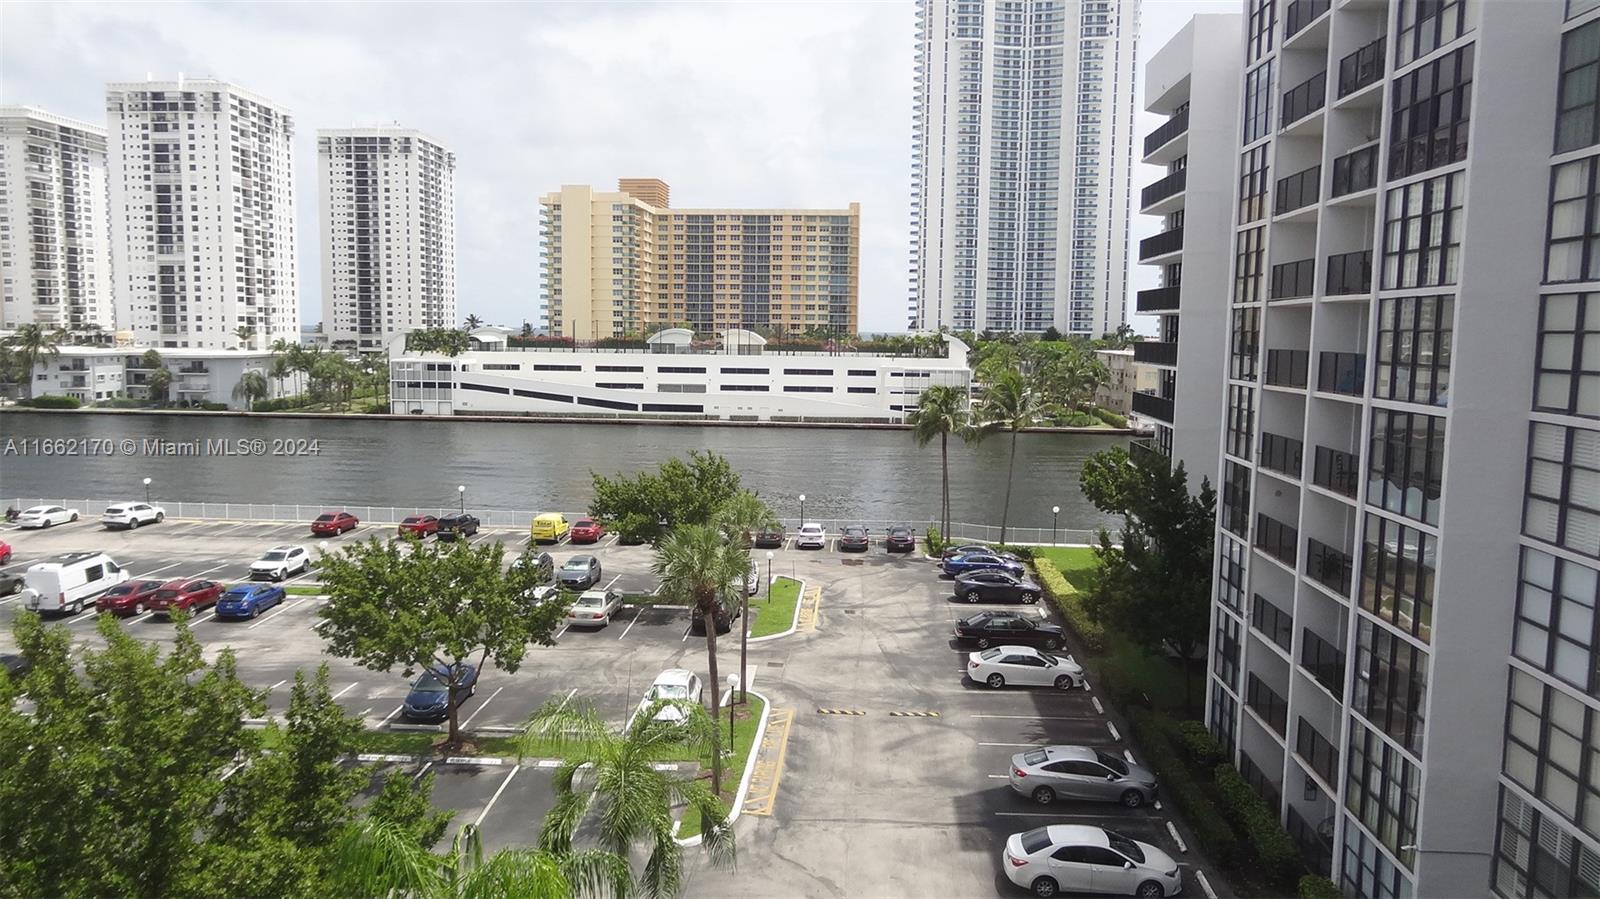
(518, 518)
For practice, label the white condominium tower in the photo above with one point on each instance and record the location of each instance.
(54, 259)
(388, 234)
(202, 214)
(1021, 149)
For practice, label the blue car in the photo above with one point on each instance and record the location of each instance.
(429, 699)
(962, 564)
(248, 600)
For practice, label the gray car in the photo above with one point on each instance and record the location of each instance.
(579, 573)
(1080, 772)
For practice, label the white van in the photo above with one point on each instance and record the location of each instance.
(68, 583)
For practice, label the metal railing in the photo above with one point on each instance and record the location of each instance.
(1280, 453)
(1155, 352)
(1161, 244)
(1349, 273)
(1157, 299)
(1276, 539)
(1324, 660)
(1271, 621)
(1343, 373)
(1272, 708)
(1287, 368)
(1302, 13)
(1170, 129)
(1304, 98)
(1355, 171)
(1293, 280)
(1298, 190)
(1320, 754)
(1336, 470)
(1328, 566)
(1154, 406)
(1171, 185)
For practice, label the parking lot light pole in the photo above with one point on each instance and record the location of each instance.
(769, 577)
(733, 684)
(802, 510)
(147, 491)
(1055, 511)
(461, 491)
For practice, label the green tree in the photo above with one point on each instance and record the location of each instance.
(279, 369)
(1009, 404)
(1111, 481)
(650, 504)
(471, 322)
(31, 344)
(160, 384)
(246, 336)
(743, 514)
(449, 341)
(252, 386)
(942, 411)
(419, 608)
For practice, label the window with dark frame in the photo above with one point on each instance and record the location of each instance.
(1397, 576)
(1574, 228)
(1258, 102)
(1426, 25)
(1414, 337)
(1223, 719)
(1562, 505)
(1569, 355)
(1236, 498)
(1578, 90)
(1241, 420)
(1225, 658)
(1405, 468)
(1428, 121)
(1244, 347)
(1550, 735)
(1230, 573)
(1557, 628)
(1391, 684)
(1249, 265)
(1262, 18)
(1421, 232)
(1536, 855)
(1382, 791)
(1253, 184)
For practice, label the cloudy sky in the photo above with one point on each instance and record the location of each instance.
(733, 104)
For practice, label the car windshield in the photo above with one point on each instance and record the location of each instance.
(429, 683)
(241, 590)
(1036, 757)
(669, 691)
(411, 520)
(855, 532)
(899, 532)
(166, 594)
(121, 590)
(274, 556)
(577, 564)
(1112, 762)
(1049, 659)
(1125, 846)
(1036, 840)
(324, 517)
(115, 510)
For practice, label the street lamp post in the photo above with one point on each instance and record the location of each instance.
(802, 510)
(461, 491)
(733, 684)
(147, 491)
(769, 577)
(1055, 512)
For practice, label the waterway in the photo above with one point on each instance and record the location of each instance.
(843, 473)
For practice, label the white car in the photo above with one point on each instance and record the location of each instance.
(810, 536)
(1079, 858)
(752, 579)
(45, 516)
(1023, 666)
(280, 562)
(131, 515)
(678, 687)
(594, 608)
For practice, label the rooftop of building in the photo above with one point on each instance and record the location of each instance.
(44, 115)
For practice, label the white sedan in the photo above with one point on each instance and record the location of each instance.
(594, 608)
(131, 515)
(677, 687)
(46, 516)
(810, 536)
(1023, 666)
(280, 562)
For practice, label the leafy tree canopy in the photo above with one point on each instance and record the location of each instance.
(449, 341)
(649, 504)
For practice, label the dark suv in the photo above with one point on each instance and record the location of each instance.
(769, 538)
(723, 616)
(463, 524)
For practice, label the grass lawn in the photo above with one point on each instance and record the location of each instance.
(745, 723)
(1077, 563)
(298, 590)
(777, 608)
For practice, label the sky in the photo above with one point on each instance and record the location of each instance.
(750, 104)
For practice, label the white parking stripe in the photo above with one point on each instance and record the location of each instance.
(635, 620)
(282, 607)
(278, 684)
(140, 577)
(496, 797)
(1049, 815)
(999, 776)
(422, 772)
(612, 581)
(206, 617)
(345, 690)
(481, 707)
(558, 634)
(392, 714)
(1008, 744)
(1027, 717)
(686, 632)
(1113, 728)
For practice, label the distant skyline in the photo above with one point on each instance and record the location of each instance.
(780, 104)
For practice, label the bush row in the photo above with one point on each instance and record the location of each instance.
(1314, 887)
(1276, 852)
(280, 404)
(1111, 418)
(1068, 600)
(51, 401)
(1157, 737)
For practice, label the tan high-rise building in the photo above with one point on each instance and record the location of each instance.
(617, 263)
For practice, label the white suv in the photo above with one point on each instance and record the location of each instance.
(131, 515)
(810, 536)
(280, 562)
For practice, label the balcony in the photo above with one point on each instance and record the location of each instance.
(1361, 68)
(1328, 566)
(1297, 191)
(1316, 847)
(1318, 753)
(1355, 171)
(1152, 406)
(1281, 454)
(1170, 129)
(1336, 471)
(1266, 702)
(1160, 299)
(1302, 13)
(1287, 368)
(1342, 373)
(1304, 98)
(1163, 244)
(1147, 451)
(1170, 186)
(1276, 539)
(1273, 623)
(1154, 352)
(1349, 273)
(1293, 280)
(1324, 660)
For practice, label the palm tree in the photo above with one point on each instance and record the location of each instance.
(693, 563)
(159, 382)
(252, 386)
(740, 515)
(31, 344)
(246, 336)
(941, 411)
(279, 369)
(1009, 404)
(472, 322)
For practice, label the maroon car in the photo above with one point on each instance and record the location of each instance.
(420, 525)
(330, 524)
(127, 598)
(186, 595)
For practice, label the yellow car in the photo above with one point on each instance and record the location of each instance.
(550, 527)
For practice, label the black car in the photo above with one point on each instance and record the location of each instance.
(995, 585)
(969, 548)
(14, 666)
(1009, 629)
(723, 616)
(900, 540)
(769, 538)
(461, 525)
(854, 539)
(10, 582)
(543, 565)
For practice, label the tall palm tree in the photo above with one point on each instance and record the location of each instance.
(738, 517)
(941, 411)
(31, 344)
(612, 774)
(472, 322)
(694, 564)
(252, 386)
(280, 368)
(246, 336)
(1009, 404)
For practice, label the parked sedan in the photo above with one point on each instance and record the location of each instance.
(12, 582)
(187, 595)
(594, 608)
(429, 699)
(1080, 772)
(1010, 629)
(127, 598)
(854, 539)
(958, 565)
(45, 516)
(586, 530)
(679, 689)
(544, 567)
(1023, 666)
(280, 562)
(579, 573)
(5, 552)
(900, 540)
(769, 538)
(249, 600)
(996, 585)
(1080, 858)
(811, 536)
(131, 515)
(461, 524)
(967, 548)
(330, 524)
(722, 617)
(419, 525)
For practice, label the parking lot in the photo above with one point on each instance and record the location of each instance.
(884, 769)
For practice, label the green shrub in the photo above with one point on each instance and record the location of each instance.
(51, 401)
(118, 402)
(935, 541)
(1022, 552)
(281, 404)
(1068, 600)
(1080, 420)
(1280, 860)
(1111, 418)
(1199, 746)
(1314, 887)
(214, 407)
(1154, 734)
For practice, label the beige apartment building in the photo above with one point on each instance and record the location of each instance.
(616, 263)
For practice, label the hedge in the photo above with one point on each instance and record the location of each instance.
(1314, 887)
(1111, 418)
(1200, 746)
(1155, 735)
(214, 407)
(51, 401)
(1280, 857)
(1068, 600)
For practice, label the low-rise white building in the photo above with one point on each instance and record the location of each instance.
(738, 380)
(1127, 377)
(91, 374)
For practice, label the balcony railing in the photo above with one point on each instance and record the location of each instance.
(1337, 471)
(1152, 406)
(1146, 451)
(1271, 621)
(1155, 352)
(1315, 850)
(1304, 98)
(1166, 187)
(1355, 171)
(1343, 373)
(1291, 280)
(1287, 368)
(1324, 660)
(1361, 68)
(1328, 566)
(1298, 190)
(1302, 13)
(1171, 128)
(1320, 754)
(1280, 453)
(1161, 244)
(1272, 708)
(1349, 273)
(1259, 781)
(1158, 299)
(1276, 539)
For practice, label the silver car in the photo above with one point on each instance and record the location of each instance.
(1080, 772)
(579, 573)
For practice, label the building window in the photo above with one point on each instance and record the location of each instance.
(1563, 496)
(1414, 349)
(1253, 184)
(1225, 658)
(1422, 234)
(1577, 124)
(1426, 25)
(558, 368)
(1263, 15)
(1223, 720)
(1406, 463)
(1382, 791)
(1241, 420)
(807, 388)
(1557, 629)
(1551, 737)
(1236, 498)
(1244, 349)
(1428, 125)
(1230, 573)
(1536, 856)
(1574, 225)
(861, 389)
(616, 385)
(1391, 686)
(1569, 355)
(1367, 873)
(1397, 576)
(1248, 265)
(1258, 102)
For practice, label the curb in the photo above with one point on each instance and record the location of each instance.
(799, 601)
(744, 782)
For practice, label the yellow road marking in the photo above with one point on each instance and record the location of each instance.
(763, 794)
(808, 609)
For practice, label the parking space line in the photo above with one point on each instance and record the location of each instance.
(422, 772)
(278, 684)
(999, 776)
(687, 630)
(1129, 756)
(392, 714)
(138, 618)
(1205, 885)
(1182, 846)
(207, 617)
(566, 699)
(141, 577)
(1098, 709)
(496, 797)
(1008, 744)
(481, 706)
(1049, 815)
(612, 581)
(346, 690)
(564, 629)
(635, 620)
(1113, 728)
(282, 607)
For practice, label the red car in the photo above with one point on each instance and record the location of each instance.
(586, 530)
(5, 552)
(330, 524)
(186, 595)
(127, 598)
(421, 525)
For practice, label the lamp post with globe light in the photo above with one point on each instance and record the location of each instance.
(1055, 512)
(147, 491)
(802, 510)
(461, 491)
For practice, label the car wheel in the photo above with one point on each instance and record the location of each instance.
(46, 524)
(1052, 644)
(973, 596)
(1045, 886)
(160, 517)
(254, 611)
(983, 642)
(133, 524)
(1150, 888)
(1064, 682)
(996, 681)
(138, 608)
(1044, 795)
(1030, 597)
(1132, 798)
(72, 517)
